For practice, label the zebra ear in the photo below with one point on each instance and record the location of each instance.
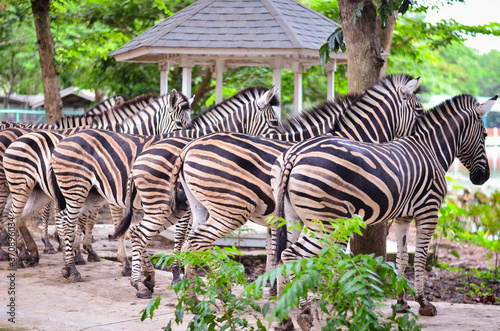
(266, 97)
(412, 86)
(172, 98)
(191, 100)
(484, 108)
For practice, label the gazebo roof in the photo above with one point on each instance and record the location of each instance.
(243, 33)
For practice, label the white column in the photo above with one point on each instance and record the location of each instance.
(164, 68)
(219, 79)
(330, 72)
(278, 65)
(277, 86)
(297, 88)
(186, 66)
(186, 81)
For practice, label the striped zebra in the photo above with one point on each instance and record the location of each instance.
(147, 174)
(106, 104)
(226, 176)
(12, 130)
(22, 166)
(328, 178)
(93, 166)
(8, 137)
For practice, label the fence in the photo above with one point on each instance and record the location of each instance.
(32, 116)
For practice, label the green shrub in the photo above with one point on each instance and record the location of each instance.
(351, 289)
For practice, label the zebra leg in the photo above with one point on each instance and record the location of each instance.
(140, 236)
(202, 237)
(402, 226)
(4, 233)
(305, 247)
(66, 224)
(23, 189)
(89, 222)
(79, 260)
(117, 216)
(29, 249)
(425, 229)
(181, 229)
(293, 236)
(45, 216)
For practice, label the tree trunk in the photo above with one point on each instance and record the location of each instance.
(53, 102)
(385, 36)
(364, 62)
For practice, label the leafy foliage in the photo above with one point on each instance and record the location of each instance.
(472, 217)
(350, 289)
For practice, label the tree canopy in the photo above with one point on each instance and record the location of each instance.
(86, 31)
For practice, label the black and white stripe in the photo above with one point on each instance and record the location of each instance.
(23, 157)
(226, 176)
(93, 166)
(326, 178)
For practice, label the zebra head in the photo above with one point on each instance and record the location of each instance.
(179, 109)
(410, 106)
(471, 149)
(266, 105)
(173, 112)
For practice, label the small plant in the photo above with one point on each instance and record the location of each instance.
(237, 235)
(210, 297)
(351, 290)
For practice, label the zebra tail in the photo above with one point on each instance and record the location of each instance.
(129, 212)
(59, 197)
(174, 179)
(281, 232)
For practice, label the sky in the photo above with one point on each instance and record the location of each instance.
(472, 12)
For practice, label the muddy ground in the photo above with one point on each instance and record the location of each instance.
(44, 300)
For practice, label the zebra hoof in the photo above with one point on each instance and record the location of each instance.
(144, 293)
(176, 276)
(428, 310)
(127, 270)
(149, 282)
(93, 257)
(31, 261)
(65, 272)
(79, 260)
(401, 307)
(285, 325)
(49, 250)
(305, 320)
(71, 274)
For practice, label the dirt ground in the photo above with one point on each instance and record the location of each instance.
(44, 300)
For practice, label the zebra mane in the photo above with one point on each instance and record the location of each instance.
(246, 95)
(456, 99)
(96, 109)
(327, 108)
(451, 104)
(393, 80)
(140, 98)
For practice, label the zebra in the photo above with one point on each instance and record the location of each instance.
(106, 104)
(147, 174)
(13, 130)
(68, 121)
(226, 176)
(92, 166)
(148, 114)
(328, 178)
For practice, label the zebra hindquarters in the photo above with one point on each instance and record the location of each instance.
(151, 177)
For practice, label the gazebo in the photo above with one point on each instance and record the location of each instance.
(222, 34)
